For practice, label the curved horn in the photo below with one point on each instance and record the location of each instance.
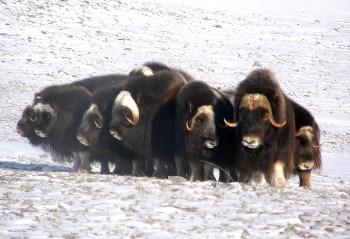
(98, 126)
(317, 146)
(252, 101)
(190, 128)
(229, 124)
(125, 99)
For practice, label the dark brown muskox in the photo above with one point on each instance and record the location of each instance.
(307, 154)
(143, 119)
(201, 140)
(59, 112)
(265, 120)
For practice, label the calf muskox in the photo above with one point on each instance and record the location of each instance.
(307, 154)
(201, 139)
(143, 118)
(265, 120)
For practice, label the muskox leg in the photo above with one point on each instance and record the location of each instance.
(85, 157)
(104, 166)
(123, 167)
(304, 178)
(77, 161)
(181, 167)
(208, 172)
(161, 169)
(226, 177)
(197, 171)
(258, 179)
(137, 167)
(277, 179)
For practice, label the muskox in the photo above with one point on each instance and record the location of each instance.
(266, 128)
(307, 154)
(59, 112)
(143, 118)
(202, 140)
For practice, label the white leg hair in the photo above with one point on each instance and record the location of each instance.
(278, 180)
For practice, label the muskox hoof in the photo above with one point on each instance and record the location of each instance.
(138, 173)
(279, 182)
(258, 180)
(84, 170)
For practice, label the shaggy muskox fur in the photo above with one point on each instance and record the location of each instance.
(143, 118)
(201, 139)
(94, 131)
(266, 126)
(307, 154)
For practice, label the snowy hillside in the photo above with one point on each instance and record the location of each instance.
(306, 44)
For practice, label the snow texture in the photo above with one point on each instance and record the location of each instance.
(306, 44)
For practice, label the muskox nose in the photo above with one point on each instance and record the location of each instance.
(306, 165)
(116, 135)
(209, 144)
(251, 142)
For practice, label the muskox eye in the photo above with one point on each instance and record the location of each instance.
(98, 125)
(33, 117)
(266, 116)
(48, 117)
(199, 120)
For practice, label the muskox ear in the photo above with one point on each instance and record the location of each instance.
(189, 106)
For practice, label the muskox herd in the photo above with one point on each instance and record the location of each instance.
(159, 121)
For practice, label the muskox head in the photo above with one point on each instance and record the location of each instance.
(125, 114)
(90, 127)
(200, 111)
(201, 128)
(256, 120)
(26, 123)
(304, 148)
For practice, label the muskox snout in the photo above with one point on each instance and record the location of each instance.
(20, 130)
(252, 142)
(306, 165)
(83, 140)
(210, 144)
(41, 133)
(116, 135)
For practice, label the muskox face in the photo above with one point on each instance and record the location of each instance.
(90, 127)
(46, 119)
(255, 120)
(201, 129)
(26, 123)
(304, 148)
(254, 125)
(125, 114)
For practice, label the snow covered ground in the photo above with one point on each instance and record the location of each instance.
(306, 44)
